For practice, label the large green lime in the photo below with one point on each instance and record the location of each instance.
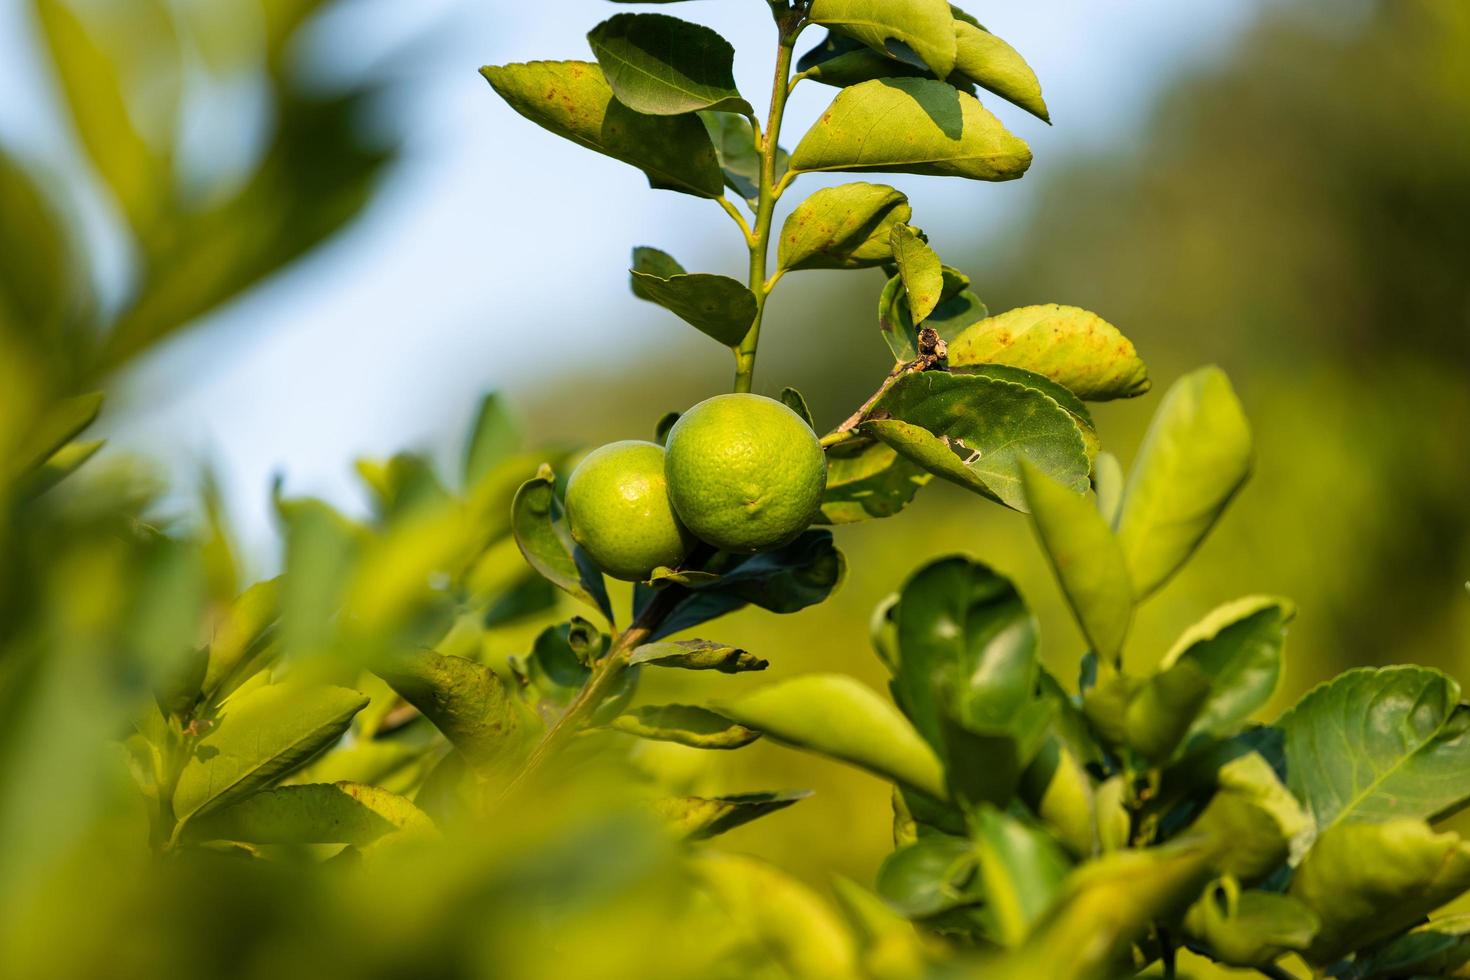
(746, 473)
(618, 510)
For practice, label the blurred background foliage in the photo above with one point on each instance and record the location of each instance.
(1295, 211)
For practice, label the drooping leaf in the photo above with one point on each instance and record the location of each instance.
(1195, 456)
(260, 737)
(1086, 559)
(717, 306)
(541, 534)
(493, 438)
(466, 701)
(919, 269)
(664, 66)
(572, 99)
(932, 875)
(911, 125)
(1249, 928)
(1238, 646)
(1252, 818)
(700, 818)
(867, 479)
(842, 61)
(697, 655)
(1367, 881)
(1376, 744)
(975, 431)
(314, 813)
(1079, 350)
(958, 308)
(995, 66)
(793, 400)
(919, 32)
(844, 227)
(685, 724)
(739, 159)
(836, 716)
(1021, 869)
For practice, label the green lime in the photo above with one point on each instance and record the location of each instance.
(618, 510)
(746, 473)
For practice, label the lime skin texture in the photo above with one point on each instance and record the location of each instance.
(745, 472)
(618, 509)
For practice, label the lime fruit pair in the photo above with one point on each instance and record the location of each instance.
(742, 472)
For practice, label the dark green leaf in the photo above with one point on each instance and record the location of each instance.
(685, 724)
(314, 813)
(1438, 948)
(1162, 710)
(1021, 870)
(845, 227)
(260, 737)
(1367, 881)
(868, 479)
(1195, 456)
(697, 655)
(38, 283)
(1375, 744)
(996, 66)
(717, 306)
(572, 99)
(1077, 349)
(665, 66)
(975, 431)
(561, 660)
(1062, 396)
(541, 534)
(1238, 647)
(792, 399)
(495, 436)
(66, 420)
(1086, 559)
(1249, 928)
(958, 308)
(932, 875)
(919, 32)
(836, 716)
(919, 269)
(653, 262)
(841, 61)
(664, 424)
(700, 818)
(911, 125)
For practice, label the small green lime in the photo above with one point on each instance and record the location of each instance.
(618, 510)
(746, 473)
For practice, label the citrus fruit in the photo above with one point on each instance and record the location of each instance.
(618, 510)
(745, 472)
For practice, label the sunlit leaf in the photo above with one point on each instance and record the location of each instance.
(868, 479)
(993, 64)
(932, 875)
(958, 308)
(1249, 928)
(919, 32)
(685, 724)
(1077, 349)
(572, 99)
(1163, 709)
(1022, 870)
(697, 655)
(911, 125)
(844, 227)
(466, 701)
(919, 269)
(665, 66)
(740, 160)
(242, 633)
(700, 818)
(494, 437)
(1254, 821)
(1238, 646)
(316, 813)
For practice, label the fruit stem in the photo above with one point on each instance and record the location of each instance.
(760, 239)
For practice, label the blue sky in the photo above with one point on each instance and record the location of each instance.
(492, 229)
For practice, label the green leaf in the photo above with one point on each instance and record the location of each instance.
(911, 125)
(919, 269)
(66, 420)
(841, 61)
(1107, 484)
(466, 701)
(700, 818)
(685, 724)
(975, 431)
(1021, 869)
(1059, 791)
(934, 874)
(1367, 881)
(785, 580)
(1078, 350)
(242, 633)
(891, 948)
(1375, 744)
(1438, 948)
(494, 438)
(315, 813)
(739, 159)
(561, 660)
(1249, 928)
(958, 308)
(836, 716)
(542, 536)
(1064, 397)
(868, 479)
(1086, 559)
(664, 66)
(38, 281)
(572, 99)
(260, 737)
(995, 66)
(1238, 646)
(697, 655)
(1195, 456)
(845, 227)
(1162, 710)
(662, 427)
(62, 464)
(919, 32)
(1254, 821)
(792, 399)
(717, 306)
